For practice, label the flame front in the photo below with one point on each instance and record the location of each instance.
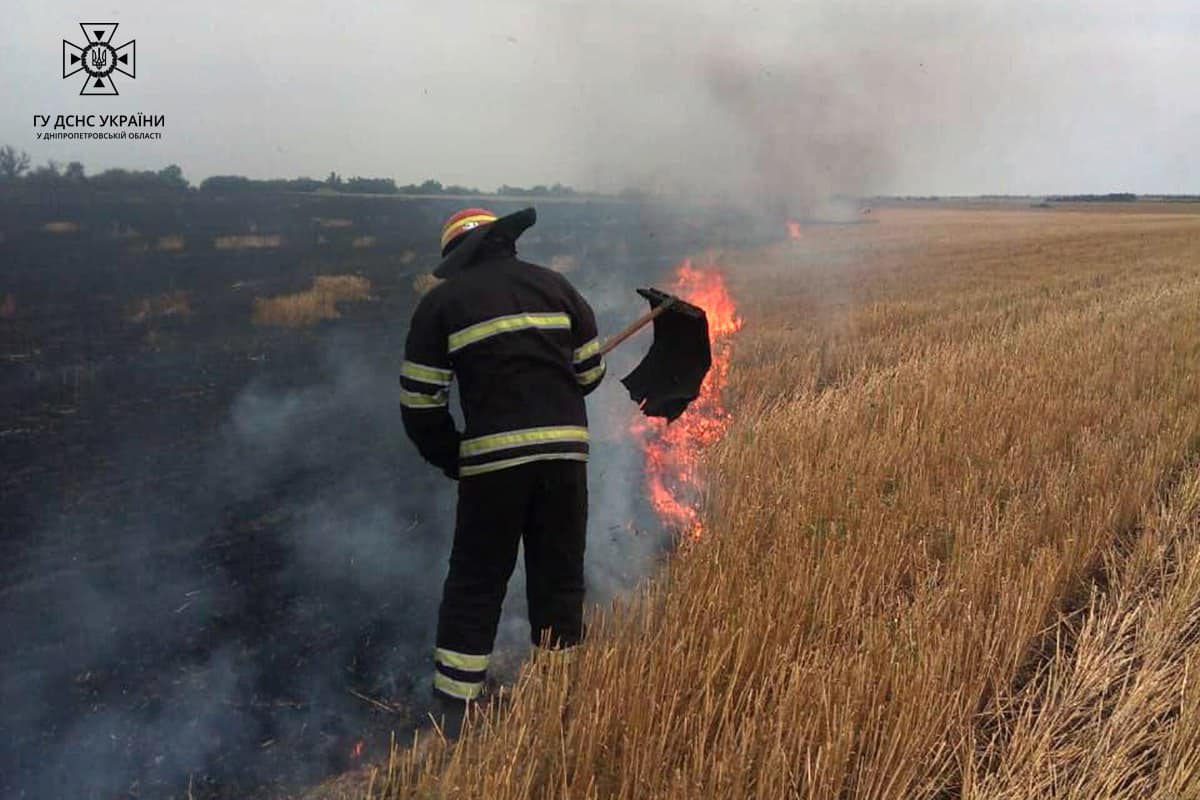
(674, 451)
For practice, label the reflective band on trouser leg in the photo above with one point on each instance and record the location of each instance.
(526, 437)
(459, 675)
(507, 324)
(459, 690)
(464, 661)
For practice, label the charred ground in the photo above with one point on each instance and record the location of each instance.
(218, 550)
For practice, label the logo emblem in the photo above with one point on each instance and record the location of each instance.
(98, 59)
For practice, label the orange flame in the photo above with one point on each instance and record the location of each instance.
(674, 451)
(794, 231)
(359, 747)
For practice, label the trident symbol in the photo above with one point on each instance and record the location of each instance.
(99, 58)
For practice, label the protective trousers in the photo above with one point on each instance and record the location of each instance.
(543, 504)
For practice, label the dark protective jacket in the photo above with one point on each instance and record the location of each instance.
(522, 344)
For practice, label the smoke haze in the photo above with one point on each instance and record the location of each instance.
(337, 531)
(203, 600)
(788, 101)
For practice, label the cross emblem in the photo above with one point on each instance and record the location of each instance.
(98, 58)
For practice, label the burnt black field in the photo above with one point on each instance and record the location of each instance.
(220, 558)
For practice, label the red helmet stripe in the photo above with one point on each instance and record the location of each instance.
(464, 221)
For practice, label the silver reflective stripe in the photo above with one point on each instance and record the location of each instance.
(465, 661)
(591, 376)
(507, 324)
(417, 400)
(587, 351)
(479, 469)
(522, 438)
(419, 372)
(460, 689)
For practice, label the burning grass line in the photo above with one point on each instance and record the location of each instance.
(864, 650)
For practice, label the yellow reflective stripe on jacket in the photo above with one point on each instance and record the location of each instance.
(592, 375)
(424, 374)
(507, 324)
(417, 400)
(460, 689)
(466, 661)
(522, 438)
(480, 469)
(587, 351)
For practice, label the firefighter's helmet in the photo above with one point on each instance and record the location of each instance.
(461, 223)
(465, 231)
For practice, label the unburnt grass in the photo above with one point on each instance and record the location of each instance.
(313, 305)
(998, 415)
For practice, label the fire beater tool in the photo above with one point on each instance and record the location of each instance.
(669, 376)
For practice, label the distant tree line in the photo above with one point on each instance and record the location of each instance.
(15, 169)
(557, 190)
(1113, 197)
(233, 184)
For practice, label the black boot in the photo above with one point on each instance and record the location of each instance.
(449, 714)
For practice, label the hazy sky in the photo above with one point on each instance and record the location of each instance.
(789, 100)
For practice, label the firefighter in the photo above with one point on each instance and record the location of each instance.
(521, 343)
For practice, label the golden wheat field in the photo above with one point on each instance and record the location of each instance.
(952, 545)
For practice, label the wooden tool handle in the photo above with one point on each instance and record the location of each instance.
(636, 326)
